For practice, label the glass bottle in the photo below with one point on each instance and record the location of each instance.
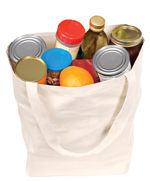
(94, 39)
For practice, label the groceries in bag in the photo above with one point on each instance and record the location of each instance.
(82, 118)
(69, 36)
(129, 37)
(104, 64)
(94, 39)
(111, 62)
(56, 60)
(74, 76)
(86, 64)
(31, 69)
(27, 45)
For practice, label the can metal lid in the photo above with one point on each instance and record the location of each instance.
(126, 35)
(97, 23)
(30, 68)
(111, 60)
(27, 45)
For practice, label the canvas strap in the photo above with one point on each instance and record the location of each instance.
(115, 130)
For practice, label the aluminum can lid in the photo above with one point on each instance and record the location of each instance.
(27, 45)
(30, 68)
(111, 60)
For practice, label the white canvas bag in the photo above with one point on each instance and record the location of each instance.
(79, 131)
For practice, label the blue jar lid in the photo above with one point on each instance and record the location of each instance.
(57, 59)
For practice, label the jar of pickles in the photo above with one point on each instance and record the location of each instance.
(129, 37)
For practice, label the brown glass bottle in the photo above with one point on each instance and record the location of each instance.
(94, 39)
(128, 37)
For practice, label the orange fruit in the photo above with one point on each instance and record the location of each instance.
(74, 76)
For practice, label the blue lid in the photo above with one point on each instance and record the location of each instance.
(57, 59)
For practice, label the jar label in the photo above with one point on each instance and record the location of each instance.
(72, 50)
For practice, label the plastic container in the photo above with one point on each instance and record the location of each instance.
(56, 60)
(129, 37)
(32, 69)
(111, 62)
(69, 36)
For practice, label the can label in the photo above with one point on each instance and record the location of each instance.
(105, 77)
(72, 50)
(97, 75)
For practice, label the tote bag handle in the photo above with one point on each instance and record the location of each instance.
(50, 135)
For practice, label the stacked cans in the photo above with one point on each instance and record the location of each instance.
(24, 53)
(27, 45)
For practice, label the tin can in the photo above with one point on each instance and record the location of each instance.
(56, 60)
(69, 36)
(27, 45)
(129, 37)
(32, 69)
(111, 62)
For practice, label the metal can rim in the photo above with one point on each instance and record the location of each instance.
(13, 44)
(32, 57)
(114, 71)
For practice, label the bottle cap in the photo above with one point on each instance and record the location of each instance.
(70, 32)
(126, 36)
(57, 59)
(97, 23)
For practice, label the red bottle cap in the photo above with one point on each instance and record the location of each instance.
(70, 32)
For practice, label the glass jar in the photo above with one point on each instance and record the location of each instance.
(69, 36)
(94, 39)
(129, 37)
(56, 60)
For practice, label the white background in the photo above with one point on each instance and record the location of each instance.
(30, 16)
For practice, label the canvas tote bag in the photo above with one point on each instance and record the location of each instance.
(79, 131)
